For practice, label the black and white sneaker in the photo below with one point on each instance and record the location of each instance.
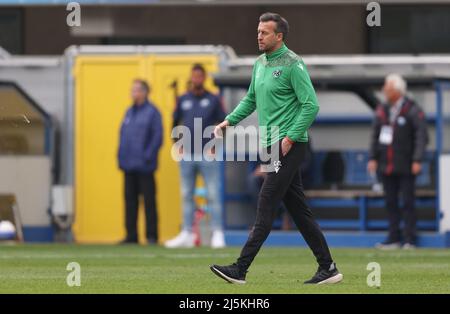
(324, 276)
(231, 273)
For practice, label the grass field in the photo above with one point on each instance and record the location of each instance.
(142, 269)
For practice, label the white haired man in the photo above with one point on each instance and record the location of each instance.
(398, 143)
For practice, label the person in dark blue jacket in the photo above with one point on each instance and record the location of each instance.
(140, 141)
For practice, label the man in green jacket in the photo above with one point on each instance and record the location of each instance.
(282, 94)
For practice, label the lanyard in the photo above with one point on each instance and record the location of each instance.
(395, 113)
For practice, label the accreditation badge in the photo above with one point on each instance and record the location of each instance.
(386, 135)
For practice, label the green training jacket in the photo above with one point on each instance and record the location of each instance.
(283, 96)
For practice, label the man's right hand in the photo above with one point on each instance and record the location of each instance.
(258, 172)
(372, 166)
(218, 130)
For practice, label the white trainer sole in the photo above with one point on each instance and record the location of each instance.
(216, 246)
(179, 246)
(223, 276)
(335, 279)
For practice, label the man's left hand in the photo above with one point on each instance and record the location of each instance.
(286, 145)
(416, 168)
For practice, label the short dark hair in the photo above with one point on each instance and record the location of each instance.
(144, 85)
(198, 67)
(282, 23)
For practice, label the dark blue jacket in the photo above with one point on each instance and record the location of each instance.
(141, 136)
(208, 107)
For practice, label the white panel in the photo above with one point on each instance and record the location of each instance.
(29, 179)
(444, 192)
(62, 200)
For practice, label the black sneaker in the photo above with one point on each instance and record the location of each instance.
(129, 241)
(231, 273)
(322, 276)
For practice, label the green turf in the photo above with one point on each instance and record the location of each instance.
(143, 269)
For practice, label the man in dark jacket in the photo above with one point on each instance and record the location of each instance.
(397, 149)
(198, 105)
(140, 141)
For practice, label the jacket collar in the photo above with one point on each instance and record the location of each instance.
(136, 107)
(205, 93)
(277, 53)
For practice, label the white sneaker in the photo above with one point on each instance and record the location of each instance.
(184, 239)
(218, 239)
(408, 246)
(388, 246)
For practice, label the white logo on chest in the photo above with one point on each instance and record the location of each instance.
(186, 105)
(204, 102)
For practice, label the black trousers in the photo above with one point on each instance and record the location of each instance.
(135, 185)
(393, 186)
(286, 186)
